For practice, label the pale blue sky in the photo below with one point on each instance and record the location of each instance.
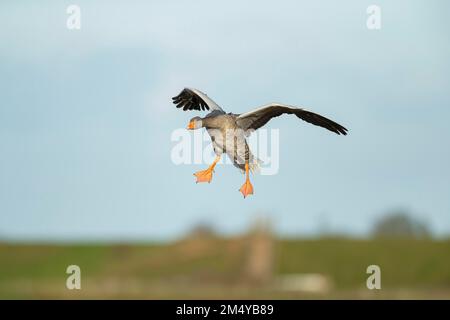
(86, 116)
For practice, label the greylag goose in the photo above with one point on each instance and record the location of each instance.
(228, 131)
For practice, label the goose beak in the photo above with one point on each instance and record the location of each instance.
(191, 126)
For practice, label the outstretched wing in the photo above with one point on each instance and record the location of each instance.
(257, 118)
(193, 99)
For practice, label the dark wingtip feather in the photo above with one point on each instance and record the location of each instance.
(189, 100)
(343, 130)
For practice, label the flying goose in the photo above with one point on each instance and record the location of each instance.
(228, 131)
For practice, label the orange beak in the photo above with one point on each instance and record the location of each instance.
(191, 125)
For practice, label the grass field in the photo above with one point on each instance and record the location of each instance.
(216, 268)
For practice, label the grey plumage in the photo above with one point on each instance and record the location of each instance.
(228, 131)
(259, 117)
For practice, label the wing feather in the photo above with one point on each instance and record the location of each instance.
(193, 99)
(259, 117)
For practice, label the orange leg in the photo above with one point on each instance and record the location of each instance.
(206, 175)
(247, 187)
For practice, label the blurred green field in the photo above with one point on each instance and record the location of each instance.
(215, 268)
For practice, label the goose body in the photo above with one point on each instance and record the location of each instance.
(226, 137)
(229, 131)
